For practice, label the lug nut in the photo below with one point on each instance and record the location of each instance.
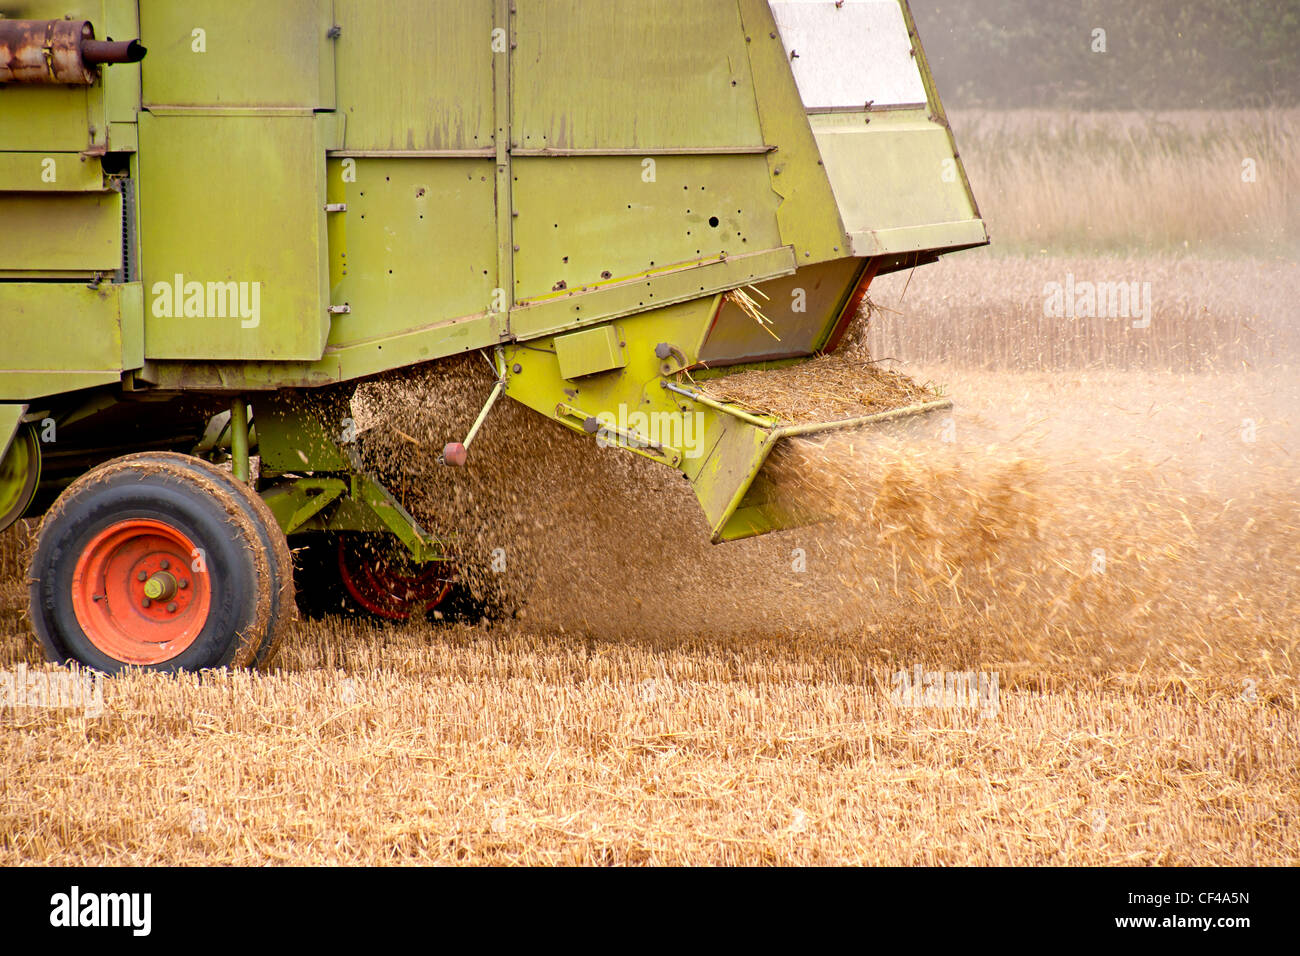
(183, 583)
(172, 607)
(164, 564)
(145, 603)
(141, 576)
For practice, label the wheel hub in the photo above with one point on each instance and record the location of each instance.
(135, 595)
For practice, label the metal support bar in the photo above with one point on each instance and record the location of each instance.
(456, 453)
(503, 38)
(327, 491)
(239, 440)
(795, 431)
(719, 406)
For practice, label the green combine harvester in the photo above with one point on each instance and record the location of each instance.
(216, 219)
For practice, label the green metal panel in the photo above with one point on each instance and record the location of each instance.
(74, 233)
(416, 244)
(630, 74)
(896, 173)
(632, 387)
(64, 336)
(588, 352)
(233, 200)
(415, 74)
(342, 363)
(123, 137)
(299, 432)
(52, 118)
(611, 170)
(807, 211)
(238, 53)
(592, 221)
(50, 172)
(122, 80)
(800, 307)
(648, 293)
(450, 337)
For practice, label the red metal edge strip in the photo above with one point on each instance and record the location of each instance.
(852, 306)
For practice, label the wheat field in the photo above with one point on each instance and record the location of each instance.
(1107, 525)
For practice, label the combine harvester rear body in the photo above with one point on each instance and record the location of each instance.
(284, 197)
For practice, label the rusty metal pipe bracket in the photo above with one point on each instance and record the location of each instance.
(58, 52)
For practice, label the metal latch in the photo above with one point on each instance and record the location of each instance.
(336, 207)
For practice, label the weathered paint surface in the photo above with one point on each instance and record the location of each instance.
(327, 189)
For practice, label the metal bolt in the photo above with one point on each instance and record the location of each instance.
(518, 368)
(164, 564)
(160, 586)
(141, 576)
(145, 603)
(183, 583)
(171, 606)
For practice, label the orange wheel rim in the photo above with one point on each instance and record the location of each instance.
(136, 595)
(386, 590)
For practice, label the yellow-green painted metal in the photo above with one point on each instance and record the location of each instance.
(588, 352)
(631, 92)
(60, 234)
(917, 198)
(10, 416)
(415, 76)
(806, 209)
(60, 337)
(50, 172)
(393, 258)
(357, 503)
(205, 179)
(312, 432)
(587, 222)
(292, 194)
(20, 464)
(239, 457)
(257, 54)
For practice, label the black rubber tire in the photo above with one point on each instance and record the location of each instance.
(206, 510)
(283, 608)
(318, 586)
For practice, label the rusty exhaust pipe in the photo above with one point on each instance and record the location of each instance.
(58, 52)
(95, 52)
